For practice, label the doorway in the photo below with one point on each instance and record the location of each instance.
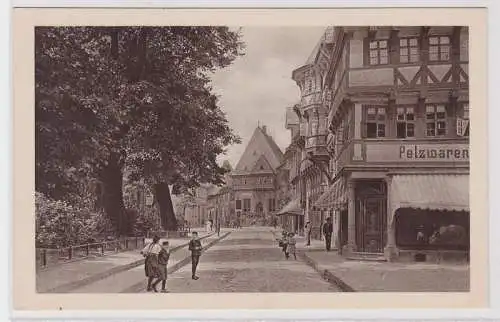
(343, 228)
(371, 216)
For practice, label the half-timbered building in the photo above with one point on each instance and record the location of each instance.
(397, 108)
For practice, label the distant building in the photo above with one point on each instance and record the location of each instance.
(197, 212)
(253, 182)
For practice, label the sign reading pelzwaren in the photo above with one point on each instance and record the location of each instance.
(430, 152)
(417, 152)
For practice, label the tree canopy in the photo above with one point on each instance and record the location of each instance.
(135, 99)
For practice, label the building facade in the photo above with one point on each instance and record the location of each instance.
(396, 141)
(309, 175)
(254, 182)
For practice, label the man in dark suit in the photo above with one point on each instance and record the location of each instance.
(327, 232)
(195, 248)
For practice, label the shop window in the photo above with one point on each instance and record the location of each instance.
(379, 52)
(405, 122)
(409, 51)
(439, 48)
(238, 204)
(432, 230)
(435, 120)
(375, 122)
(246, 205)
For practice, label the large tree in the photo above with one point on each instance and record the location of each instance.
(107, 96)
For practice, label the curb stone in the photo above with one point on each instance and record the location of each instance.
(172, 269)
(65, 288)
(326, 274)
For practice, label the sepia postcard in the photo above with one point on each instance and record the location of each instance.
(249, 159)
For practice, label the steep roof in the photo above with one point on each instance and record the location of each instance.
(260, 145)
(326, 38)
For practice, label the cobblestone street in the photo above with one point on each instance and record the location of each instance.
(248, 260)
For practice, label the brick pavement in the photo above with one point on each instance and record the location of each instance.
(66, 276)
(248, 260)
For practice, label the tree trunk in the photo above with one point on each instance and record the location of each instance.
(164, 199)
(111, 177)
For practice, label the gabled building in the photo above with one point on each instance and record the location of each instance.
(397, 141)
(253, 180)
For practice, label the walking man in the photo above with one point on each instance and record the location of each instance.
(327, 232)
(218, 228)
(195, 248)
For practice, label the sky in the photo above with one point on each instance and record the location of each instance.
(258, 87)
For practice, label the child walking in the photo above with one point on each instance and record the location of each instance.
(283, 243)
(163, 257)
(291, 245)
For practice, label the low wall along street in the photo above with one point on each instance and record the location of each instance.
(380, 152)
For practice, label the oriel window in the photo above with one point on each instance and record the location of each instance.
(405, 122)
(379, 52)
(436, 120)
(375, 122)
(439, 48)
(409, 50)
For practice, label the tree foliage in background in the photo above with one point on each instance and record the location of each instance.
(135, 98)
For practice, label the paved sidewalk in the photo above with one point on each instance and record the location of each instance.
(134, 278)
(368, 276)
(66, 276)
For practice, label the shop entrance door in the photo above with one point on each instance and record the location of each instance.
(371, 219)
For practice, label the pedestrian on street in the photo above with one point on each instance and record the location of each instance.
(291, 250)
(218, 228)
(307, 229)
(283, 243)
(195, 248)
(327, 232)
(150, 252)
(163, 257)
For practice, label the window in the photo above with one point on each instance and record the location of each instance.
(272, 204)
(375, 122)
(439, 48)
(238, 204)
(246, 205)
(408, 50)
(463, 122)
(378, 52)
(436, 120)
(405, 122)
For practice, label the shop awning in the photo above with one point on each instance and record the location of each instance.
(291, 208)
(433, 192)
(334, 197)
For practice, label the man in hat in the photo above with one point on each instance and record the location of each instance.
(327, 232)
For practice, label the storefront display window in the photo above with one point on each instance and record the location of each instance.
(430, 229)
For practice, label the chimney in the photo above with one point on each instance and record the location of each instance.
(264, 129)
